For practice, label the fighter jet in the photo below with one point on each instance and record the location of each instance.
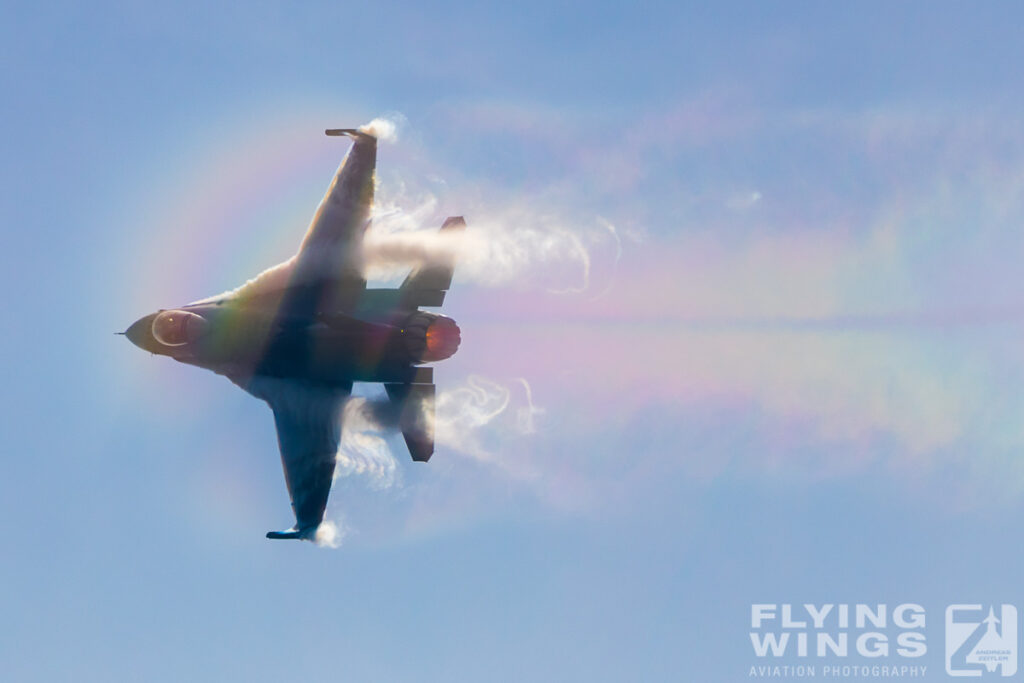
(298, 336)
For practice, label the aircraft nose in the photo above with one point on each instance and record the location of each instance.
(139, 332)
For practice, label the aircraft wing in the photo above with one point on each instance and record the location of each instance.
(308, 420)
(327, 273)
(328, 270)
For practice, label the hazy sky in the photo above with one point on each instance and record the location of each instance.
(745, 328)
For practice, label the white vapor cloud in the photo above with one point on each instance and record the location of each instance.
(363, 451)
(482, 419)
(466, 416)
(525, 415)
(479, 420)
(384, 128)
(462, 411)
(501, 247)
(329, 534)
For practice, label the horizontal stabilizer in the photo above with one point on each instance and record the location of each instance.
(416, 374)
(416, 417)
(423, 297)
(421, 446)
(426, 285)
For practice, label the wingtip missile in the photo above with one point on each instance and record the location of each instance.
(353, 133)
(302, 534)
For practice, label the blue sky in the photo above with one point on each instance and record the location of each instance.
(760, 344)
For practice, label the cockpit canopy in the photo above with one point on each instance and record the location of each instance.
(177, 328)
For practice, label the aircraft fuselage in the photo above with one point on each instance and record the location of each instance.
(368, 345)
